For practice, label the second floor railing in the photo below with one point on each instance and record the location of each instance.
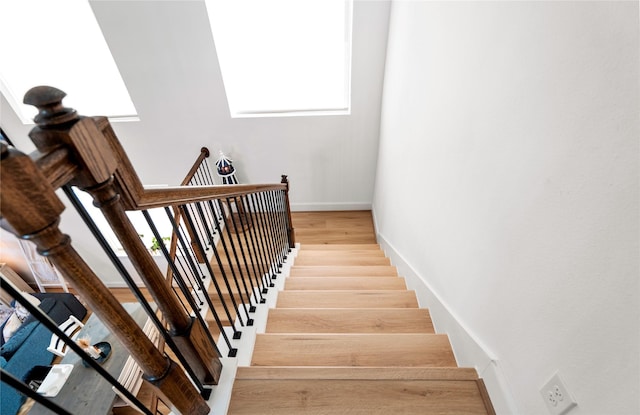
(219, 265)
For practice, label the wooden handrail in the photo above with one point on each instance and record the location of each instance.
(204, 153)
(180, 195)
(136, 197)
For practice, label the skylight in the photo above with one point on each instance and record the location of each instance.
(59, 43)
(283, 57)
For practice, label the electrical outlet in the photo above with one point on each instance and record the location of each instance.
(556, 396)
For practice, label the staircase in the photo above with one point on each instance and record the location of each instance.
(347, 337)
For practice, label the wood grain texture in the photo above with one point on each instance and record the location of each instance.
(349, 320)
(355, 260)
(332, 347)
(407, 350)
(338, 247)
(346, 252)
(355, 397)
(343, 271)
(357, 373)
(345, 283)
(347, 299)
(342, 227)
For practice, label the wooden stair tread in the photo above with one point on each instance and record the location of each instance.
(349, 320)
(357, 397)
(344, 253)
(342, 260)
(346, 299)
(346, 337)
(336, 235)
(345, 283)
(337, 247)
(406, 350)
(343, 271)
(356, 373)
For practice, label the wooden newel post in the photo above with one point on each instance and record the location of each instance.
(97, 165)
(30, 209)
(290, 231)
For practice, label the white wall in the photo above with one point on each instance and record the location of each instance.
(507, 181)
(166, 55)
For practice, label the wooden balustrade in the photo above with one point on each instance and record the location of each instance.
(85, 152)
(73, 150)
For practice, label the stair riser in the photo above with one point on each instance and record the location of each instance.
(343, 271)
(345, 283)
(355, 261)
(359, 253)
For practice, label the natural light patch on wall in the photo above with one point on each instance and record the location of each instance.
(59, 43)
(284, 57)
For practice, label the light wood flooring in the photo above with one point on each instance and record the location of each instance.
(347, 337)
(343, 227)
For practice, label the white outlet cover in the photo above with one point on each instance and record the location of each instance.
(556, 396)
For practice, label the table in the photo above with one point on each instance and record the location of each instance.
(86, 392)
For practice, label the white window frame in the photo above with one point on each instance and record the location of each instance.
(60, 44)
(238, 110)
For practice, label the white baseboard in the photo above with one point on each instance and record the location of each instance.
(468, 348)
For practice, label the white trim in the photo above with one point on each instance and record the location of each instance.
(292, 113)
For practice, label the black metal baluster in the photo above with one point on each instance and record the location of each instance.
(244, 258)
(250, 263)
(188, 273)
(278, 229)
(250, 293)
(246, 234)
(233, 273)
(285, 220)
(200, 232)
(255, 241)
(259, 217)
(271, 239)
(208, 172)
(204, 223)
(215, 282)
(95, 231)
(215, 225)
(210, 216)
(205, 236)
(180, 281)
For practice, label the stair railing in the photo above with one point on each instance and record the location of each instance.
(84, 152)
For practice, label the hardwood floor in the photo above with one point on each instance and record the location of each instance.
(343, 227)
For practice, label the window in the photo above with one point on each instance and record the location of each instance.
(283, 57)
(59, 43)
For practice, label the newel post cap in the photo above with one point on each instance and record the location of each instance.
(48, 100)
